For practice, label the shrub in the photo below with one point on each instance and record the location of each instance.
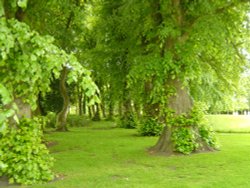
(190, 132)
(48, 121)
(76, 121)
(51, 120)
(184, 139)
(24, 159)
(128, 122)
(150, 127)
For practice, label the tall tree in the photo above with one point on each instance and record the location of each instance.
(27, 63)
(174, 50)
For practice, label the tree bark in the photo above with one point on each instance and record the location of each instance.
(97, 115)
(84, 105)
(61, 120)
(180, 103)
(111, 110)
(80, 101)
(103, 107)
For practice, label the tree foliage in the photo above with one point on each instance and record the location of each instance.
(173, 52)
(28, 62)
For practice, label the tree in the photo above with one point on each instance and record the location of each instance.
(27, 63)
(175, 49)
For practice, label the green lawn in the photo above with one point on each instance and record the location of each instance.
(230, 123)
(100, 156)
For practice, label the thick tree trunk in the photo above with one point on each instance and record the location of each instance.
(23, 111)
(61, 119)
(181, 103)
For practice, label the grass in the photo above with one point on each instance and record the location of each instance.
(230, 123)
(99, 156)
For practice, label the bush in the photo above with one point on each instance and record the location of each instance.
(184, 139)
(76, 121)
(150, 127)
(190, 132)
(51, 120)
(24, 159)
(128, 122)
(48, 121)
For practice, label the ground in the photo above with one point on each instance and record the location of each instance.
(102, 156)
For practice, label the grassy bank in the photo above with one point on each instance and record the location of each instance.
(100, 156)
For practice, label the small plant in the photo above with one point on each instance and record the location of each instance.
(24, 159)
(150, 127)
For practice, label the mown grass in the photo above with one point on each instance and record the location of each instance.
(230, 123)
(99, 156)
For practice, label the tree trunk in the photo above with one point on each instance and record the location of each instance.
(150, 109)
(103, 107)
(120, 110)
(39, 111)
(90, 112)
(97, 113)
(61, 119)
(80, 101)
(111, 110)
(84, 105)
(181, 103)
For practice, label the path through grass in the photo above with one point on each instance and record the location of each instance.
(99, 157)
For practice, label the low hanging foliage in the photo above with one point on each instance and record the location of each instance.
(27, 63)
(150, 127)
(191, 132)
(24, 158)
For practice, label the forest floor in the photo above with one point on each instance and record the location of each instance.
(101, 156)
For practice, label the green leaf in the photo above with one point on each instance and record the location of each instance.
(6, 97)
(1, 8)
(11, 180)
(22, 3)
